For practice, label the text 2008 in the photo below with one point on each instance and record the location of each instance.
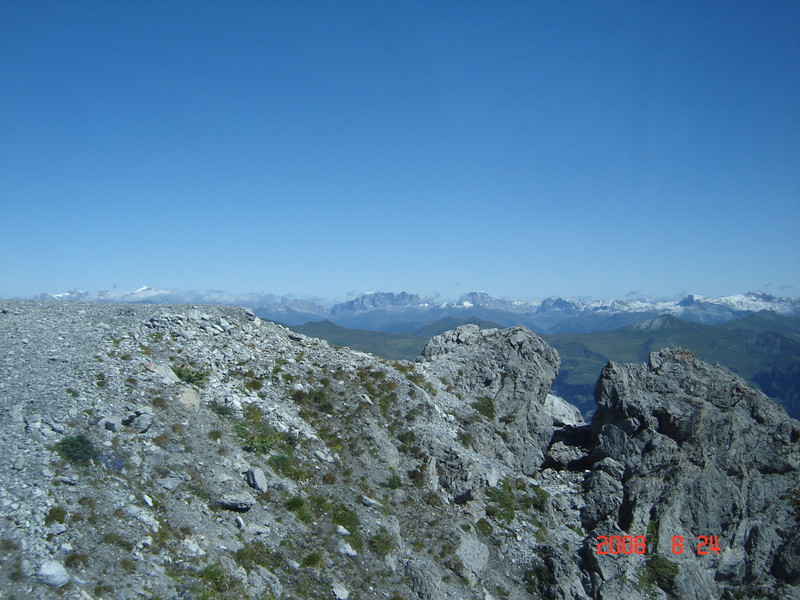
(628, 544)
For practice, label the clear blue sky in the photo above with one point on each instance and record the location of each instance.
(317, 148)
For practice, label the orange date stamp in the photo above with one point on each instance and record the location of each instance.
(637, 544)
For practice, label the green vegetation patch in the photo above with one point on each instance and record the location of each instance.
(190, 375)
(77, 449)
(298, 506)
(382, 542)
(252, 554)
(218, 580)
(287, 466)
(658, 571)
(221, 409)
(536, 499)
(55, 515)
(341, 515)
(484, 527)
(317, 399)
(312, 559)
(502, 504)
(485, 406)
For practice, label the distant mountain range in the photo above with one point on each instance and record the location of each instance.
(754, 334)
(405, 312)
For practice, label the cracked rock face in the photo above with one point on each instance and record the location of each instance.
(682, 448)
(506, 376)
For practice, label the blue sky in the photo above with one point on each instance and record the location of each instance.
(528, 149)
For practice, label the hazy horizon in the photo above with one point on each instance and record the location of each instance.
(433, 297)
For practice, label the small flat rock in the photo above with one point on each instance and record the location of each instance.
(169, 483)
(189, 397)
(323, 456)
(237, 502)
(113, 424)
(165, 371)
(371, 502)
(53, 573)
(341, 530)
(340, 592)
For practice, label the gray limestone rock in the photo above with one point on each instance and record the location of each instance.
(53, 573)
(503, 377)
(256, 479)
(696, 453)
(473, 556)
(241, 502)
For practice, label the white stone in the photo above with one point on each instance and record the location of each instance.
(346, 549)
(340, 592)
(367, 501)
(53, 573)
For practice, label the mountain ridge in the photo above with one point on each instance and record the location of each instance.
(404, 312)
(197, 452)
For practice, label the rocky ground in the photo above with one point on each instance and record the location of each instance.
(171, 451)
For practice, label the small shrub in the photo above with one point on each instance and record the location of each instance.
(258, 438)
(128, 564)
(221, 409)
(255, 553)
(407, 437)
(75, 559)
(286, 466)
(87, 501)
(253, 413)
(382, 542)
(394, 482)
(190, 375)
(159, 402)
(218, 579)
(537, 500)
(7, 544)
(77, 449)
(298, 506)
(117, 539)
(659, 571)
(485, 406)
(313, 559)
(161, 440)
(215, 434)
(253, 384)
(502, 501)
(484, 527)
(319, 504)
(55, 515)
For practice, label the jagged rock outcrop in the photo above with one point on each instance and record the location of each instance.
(505, 376)
(682, 448)
(179, 451)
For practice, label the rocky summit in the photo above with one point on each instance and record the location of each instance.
(198, 452)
